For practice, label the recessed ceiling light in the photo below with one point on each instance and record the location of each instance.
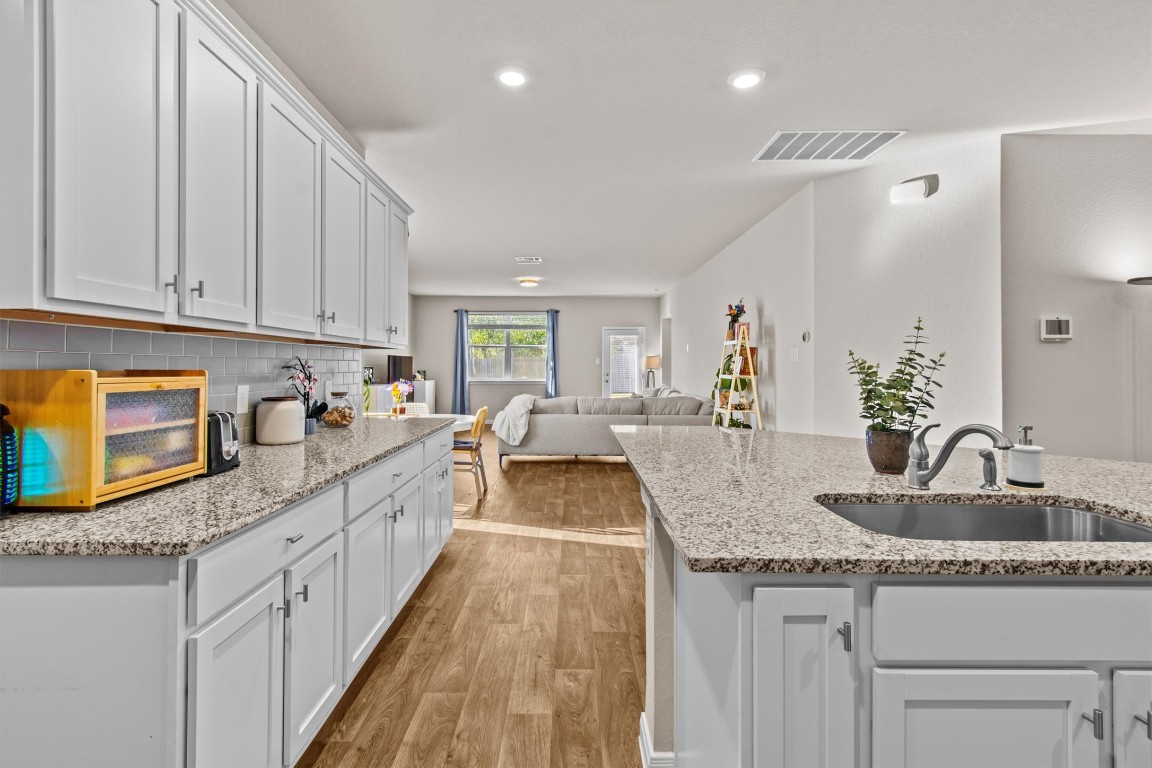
(528, 282)
(513, 77)
(746, 78)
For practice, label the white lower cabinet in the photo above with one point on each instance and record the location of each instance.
(407, 554)
(314, 655)
(434, 489)
(994, 718)
(804, 681)
(366, 542)
(447, 499)
(1132, 718)
(235, 684)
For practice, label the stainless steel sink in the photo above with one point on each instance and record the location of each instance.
(990, 522)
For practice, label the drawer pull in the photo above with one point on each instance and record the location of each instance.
(304, 592)
(845, 631)
(1147, 720)
(296, 538)
(1097, 720)
(396, 475)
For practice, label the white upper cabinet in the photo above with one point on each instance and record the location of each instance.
(398, 276)
(376, 277)
(218, 175)
(342, 305)
(291, 153)
(111, 151)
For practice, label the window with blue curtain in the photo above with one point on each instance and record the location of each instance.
(504, 346)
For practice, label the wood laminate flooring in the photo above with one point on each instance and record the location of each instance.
(524, 647)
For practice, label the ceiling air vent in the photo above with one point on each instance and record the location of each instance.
(527, 259)
(827, 145)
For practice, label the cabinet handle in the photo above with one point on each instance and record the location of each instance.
(397, 474)
(287, 608)
(1097, 720)
(1147, 720)
(304, 592)
(296, 538)
(326, 318)
(172, 285)
(198, 288)
(845, 631)
(401, 510)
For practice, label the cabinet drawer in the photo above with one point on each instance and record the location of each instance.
(1010, 624)
(437, 445)
(224, 573)
(377, 483)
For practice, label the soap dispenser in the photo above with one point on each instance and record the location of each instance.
(1024, 462)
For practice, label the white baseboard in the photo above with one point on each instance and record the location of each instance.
(648, 758)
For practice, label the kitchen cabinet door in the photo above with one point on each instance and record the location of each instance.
(289, 250)
(218, 178)
(314, 647)
(980, 718)
(398, 276)
(1132, 718)
(804, 687)
(235, 684)
(376, 277)
(111, 152)
(447, 499)
(407, 554)
(433, 493)
(342, 283)
(366, 602)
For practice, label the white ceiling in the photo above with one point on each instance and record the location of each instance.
(626, 161)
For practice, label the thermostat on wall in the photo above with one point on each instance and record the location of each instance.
(1055, 329)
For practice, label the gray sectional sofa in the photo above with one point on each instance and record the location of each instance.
(580, 426)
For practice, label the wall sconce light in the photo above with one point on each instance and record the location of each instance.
(1140, 281)
(915, 189)
(652, 364)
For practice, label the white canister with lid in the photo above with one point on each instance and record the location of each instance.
(279, 420)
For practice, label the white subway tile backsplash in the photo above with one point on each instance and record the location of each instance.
(229, 362)
(41, 337)
(81, 338)
(131, 342)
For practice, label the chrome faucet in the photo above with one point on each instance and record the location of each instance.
(920, 472)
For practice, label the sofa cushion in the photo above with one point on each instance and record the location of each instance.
(681, 405)
(554, 405)
(609, 406)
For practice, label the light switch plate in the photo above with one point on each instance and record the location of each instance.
(241, 399)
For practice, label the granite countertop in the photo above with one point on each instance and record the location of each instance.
(185, 516)
(745, 502)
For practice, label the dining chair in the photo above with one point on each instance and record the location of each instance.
(474, 462)
(416, 409)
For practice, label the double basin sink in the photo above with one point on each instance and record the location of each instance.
(990, 522)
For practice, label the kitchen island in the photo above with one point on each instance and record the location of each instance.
(779, 633)
(217, 620)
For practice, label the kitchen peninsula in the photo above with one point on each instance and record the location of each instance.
(218, 620)
(799, 638)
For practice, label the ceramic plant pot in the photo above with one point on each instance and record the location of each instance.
(888, 451)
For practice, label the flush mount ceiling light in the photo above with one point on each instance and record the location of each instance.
(513, 77)
(527, 259)
(528, 282)
(743, 79)
(1141, 281)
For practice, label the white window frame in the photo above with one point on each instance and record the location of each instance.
(508, 345)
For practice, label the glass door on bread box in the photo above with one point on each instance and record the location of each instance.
(151, 430)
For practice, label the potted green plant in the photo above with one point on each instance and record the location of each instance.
(892, 405)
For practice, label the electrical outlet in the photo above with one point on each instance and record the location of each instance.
(793, 355)
(241, 399)
(597, 361)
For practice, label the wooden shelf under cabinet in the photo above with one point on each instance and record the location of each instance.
(90, 436)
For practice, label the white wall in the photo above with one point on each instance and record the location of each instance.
(878, 266)
(770, 267)
(579, 334)
(1077, 223)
